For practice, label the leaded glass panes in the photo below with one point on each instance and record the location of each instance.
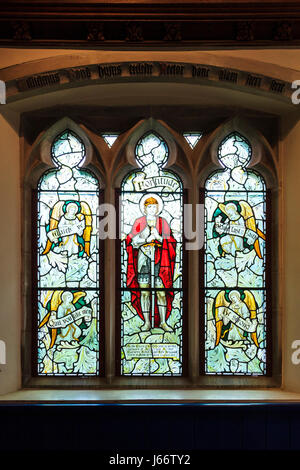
(68, 264)
(235, 264)
(110, 139)
(151, 264)
(192, 138)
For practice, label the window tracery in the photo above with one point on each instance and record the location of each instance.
(68, 264)
(235, 264)
(151, 264)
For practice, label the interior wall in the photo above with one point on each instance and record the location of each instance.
(10, 256)
(282, 57)
(281, 64)
(290, 227)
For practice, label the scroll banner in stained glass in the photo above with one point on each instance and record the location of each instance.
(235, 264)
(68, 264)
(151, 265)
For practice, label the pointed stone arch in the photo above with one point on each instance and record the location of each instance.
(262, 158)
(125, 158)
(39, 158)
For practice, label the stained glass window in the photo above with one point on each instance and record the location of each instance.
(110, 139)
(192, 138)
(235, 264)
(68, 264)
(151, 264)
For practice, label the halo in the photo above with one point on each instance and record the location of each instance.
(234, 292)
(155, 196)
(223, 207)
(72, 202)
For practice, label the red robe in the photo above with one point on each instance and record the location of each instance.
(165, 255)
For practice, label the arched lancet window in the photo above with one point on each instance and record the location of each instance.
(151, 264)
(235, 264)
(67, 264)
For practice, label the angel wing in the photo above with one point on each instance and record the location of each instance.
(54, 304)
(220, 301)
(86, 211)
(55, 216)
(248, 216)
(252, 307)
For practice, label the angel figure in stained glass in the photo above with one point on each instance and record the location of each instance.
(68, 316)
(235, 314)
(68, 233)
(236, 228)
(151, 250)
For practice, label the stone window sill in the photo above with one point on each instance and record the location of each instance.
(141, 396)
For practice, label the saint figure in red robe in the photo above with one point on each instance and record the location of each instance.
(151, 250)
